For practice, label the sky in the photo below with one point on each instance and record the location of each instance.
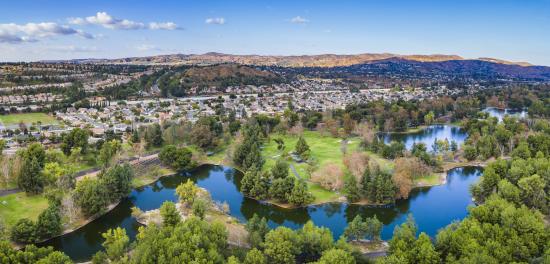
(49, 30)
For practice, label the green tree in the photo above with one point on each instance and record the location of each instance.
(351, 189)
(118, 181)
(91, 196)
(336, 256)
(233, 260)
(302, 148)
(254, 256)
(280, 170)
(423, 251)
(108, 151)
(403, 239)
(314, 240)
(522, 151)
(281, 187)
(470, 152)
(77, 138)
(300, 194)
(153, 136)
(48, 223)
(257, 229)
(116, 243)
(281, 245)
(533, 192)
(169, 213)
(30, 177)
(187, 192)
(200, 206)
(429, 118)
(24, 231)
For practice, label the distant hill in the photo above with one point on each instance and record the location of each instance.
(446, 70)
(324, 60)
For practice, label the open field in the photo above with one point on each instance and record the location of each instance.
(17, 206)
(27, 118)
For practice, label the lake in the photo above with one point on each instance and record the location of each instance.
(427, 136)
(432, 207)
(500, 113)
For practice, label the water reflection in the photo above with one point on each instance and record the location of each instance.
(433, 208)
(428, 136)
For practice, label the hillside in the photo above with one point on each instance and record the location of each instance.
(323, 60)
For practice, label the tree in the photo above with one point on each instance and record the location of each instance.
(77, 138)
(199, 208)
(351, 189)
(254, 256)
(118, 181)
(280, 170)
(423, 251)
(31, 254)
(300, 194)
(116, 243)
(406, 170)
(24, 231)
(233, 260)
(281, 188)
(169, 213)
(202, 136)
(257, 229)
(314, 240)
(184, 159)
(522, 151)
(187, 192)
(91, 196)
(533, 192)
(191, 241)
(470, 152)
(153, 136)
(429, 118)
(348, 124)
(108, 151)
(356, 229)
(48, 223)
(302, 148)
(30, 177)
(329, 177)
(336, 256)
(403, 239)
(281, 245)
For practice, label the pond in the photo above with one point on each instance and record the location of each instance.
(499, 113)
(428, 136)
(432, 207)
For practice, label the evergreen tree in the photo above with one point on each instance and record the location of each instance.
(300, 194)
(351, 190)
(169, 213)
(302, 148)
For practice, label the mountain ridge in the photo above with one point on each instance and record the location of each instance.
(320, 60)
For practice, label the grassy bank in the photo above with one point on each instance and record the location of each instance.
(19, 205)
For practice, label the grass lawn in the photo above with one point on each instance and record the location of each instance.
(17, 206)
(27, 118)
(325, 150)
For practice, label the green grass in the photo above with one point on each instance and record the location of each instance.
(27, 118)
(325, 150)
(17, 206)
(428, 180)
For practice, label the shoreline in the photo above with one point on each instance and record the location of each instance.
(340, 199)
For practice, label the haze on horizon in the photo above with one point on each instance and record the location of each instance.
(53, 30)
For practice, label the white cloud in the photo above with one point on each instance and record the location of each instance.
(16, 33)
(147, 47)
(299, 20)
(73, 49)
(215, 20)
(165, 25)
(107, 21)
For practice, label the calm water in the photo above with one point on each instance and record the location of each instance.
(428, 136)
(433, 208)
(500, 113)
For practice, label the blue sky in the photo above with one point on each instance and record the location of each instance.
(511, 30)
